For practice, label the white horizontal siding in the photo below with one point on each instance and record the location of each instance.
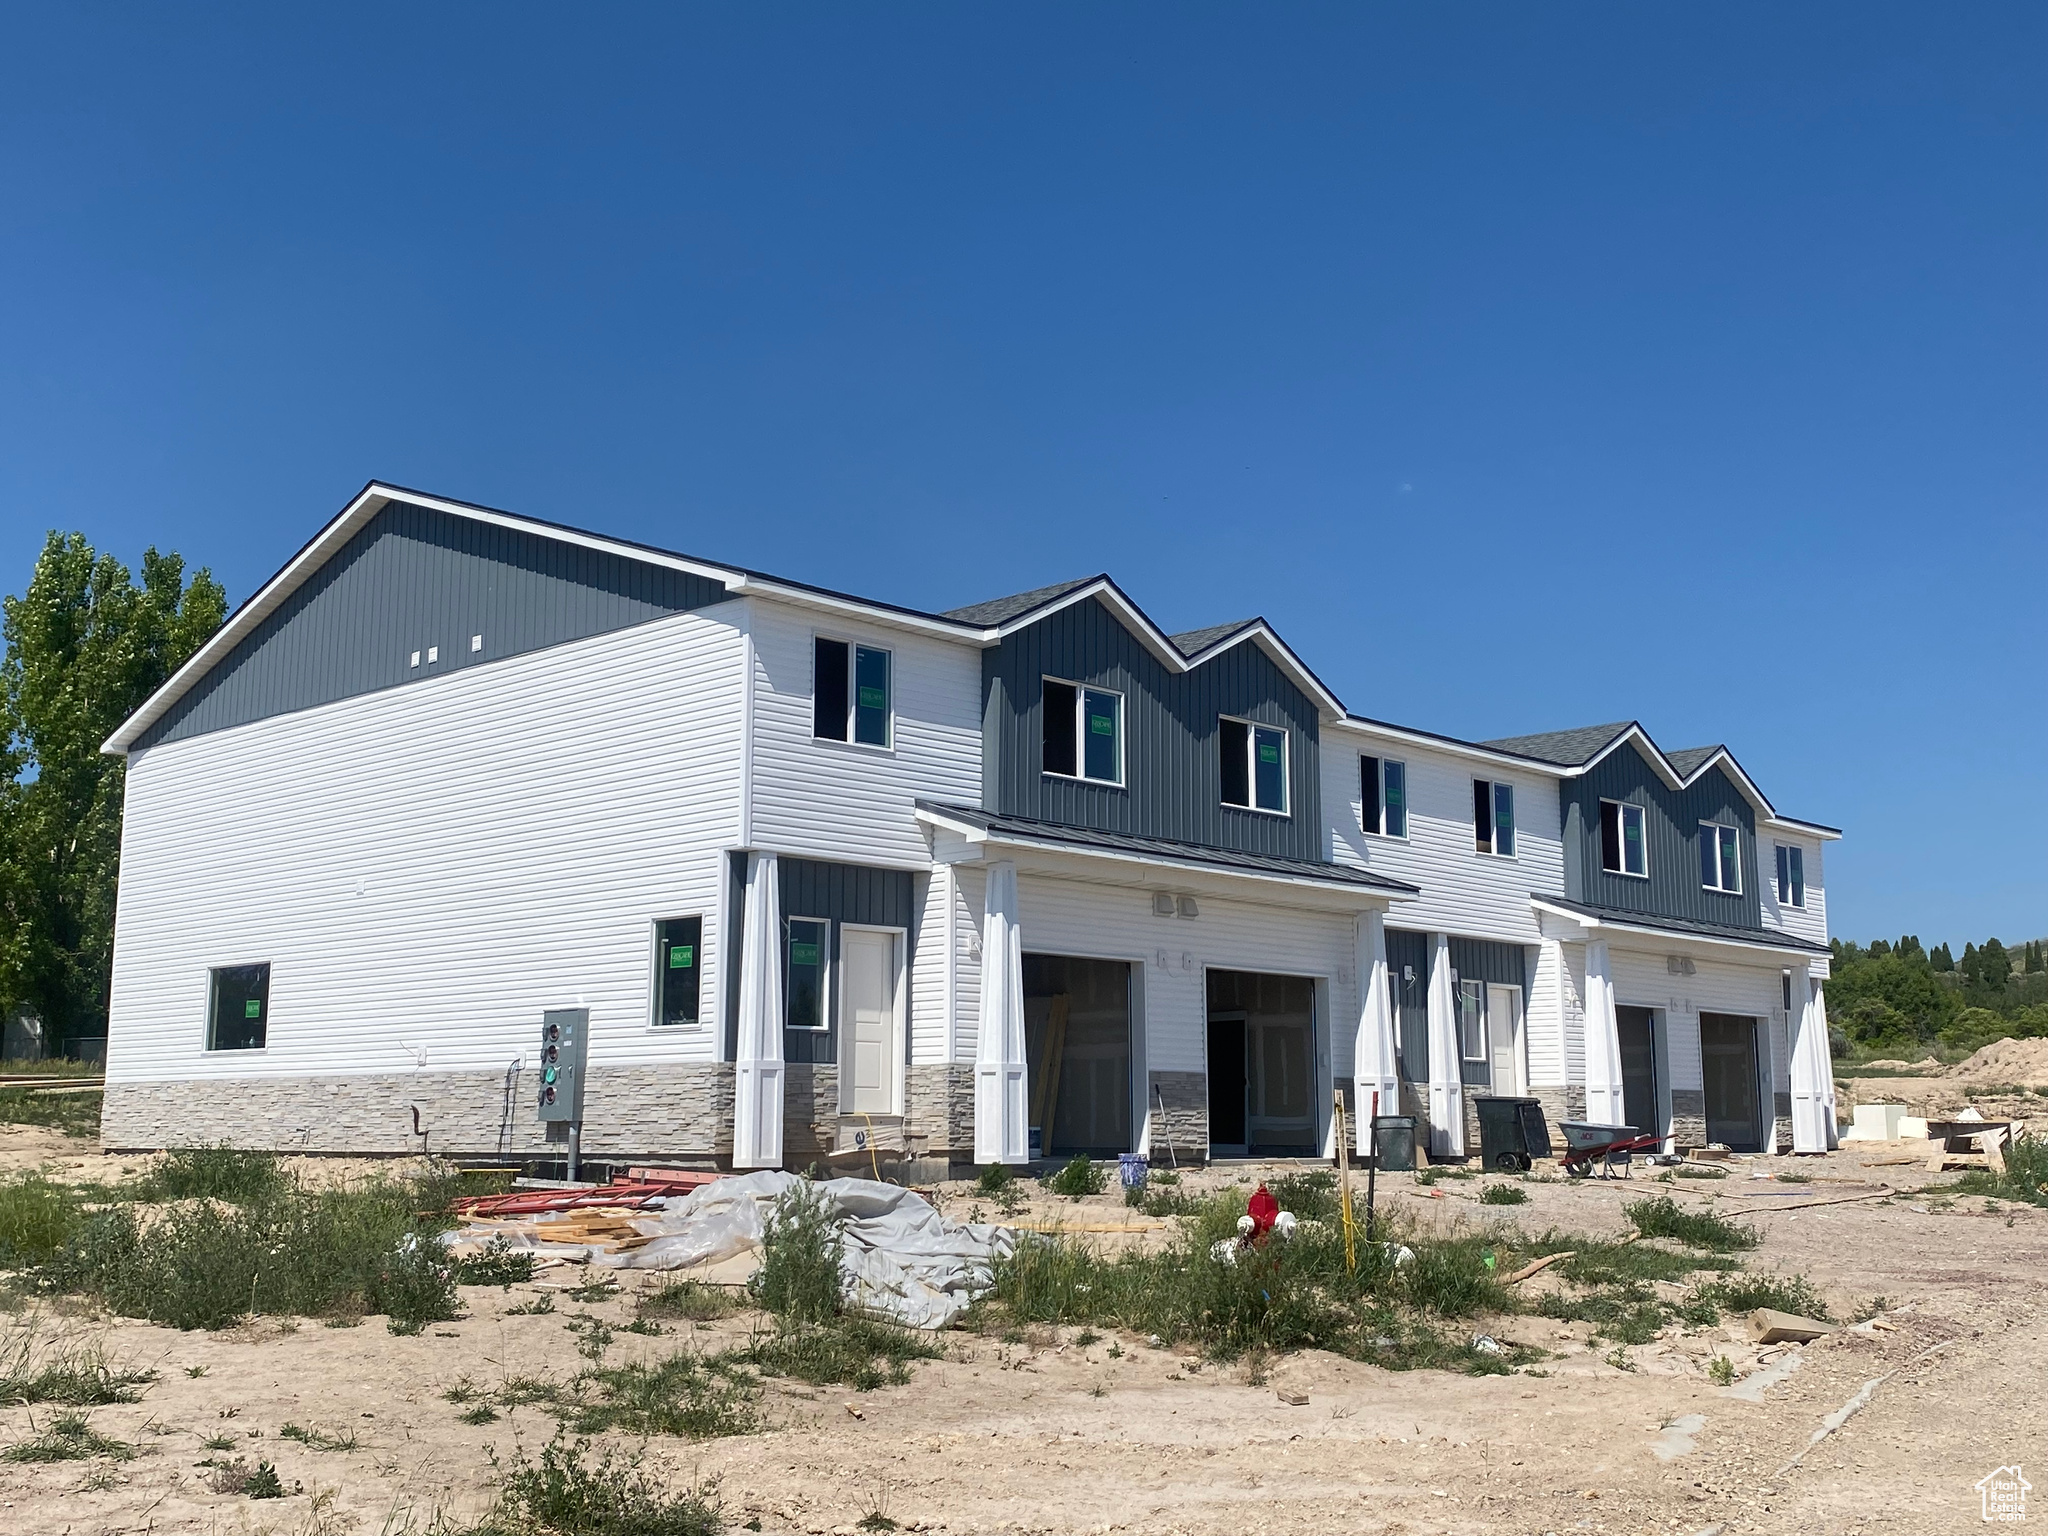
(1643, 980)
(1073, 917)
(1809, 922)
(1463, 892)
(839, 800)
(427, 868)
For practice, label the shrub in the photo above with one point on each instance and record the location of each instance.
(690, 1300)
(698, 1397)
(203, 1264)
(561, 1494)
(214, 1173)
(801, 1258)
(1661, 1216)
(853, 1351)
(497, 1264)
(1078, 1178)
(37, 1218)
(994, 1179)
(1311, 1196)
(2025, 1177)
(1503, 1194)
(1746, 1293)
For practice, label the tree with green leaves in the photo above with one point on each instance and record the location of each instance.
(84, 647)
(1941, 959)
(1994, 965)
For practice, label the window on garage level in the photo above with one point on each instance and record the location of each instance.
(1383, 796)
(678, 952)
(1254, 763)
(808, 957)
(850, 689)
(1721, 857)
(1084, 732)
(239, 1008)
(1621, 839)
(1791, 876)
(1493, 818)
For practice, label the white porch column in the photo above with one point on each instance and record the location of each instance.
(757, 1069)
(1820, 1015)
(1446, 1087)
(1604, 1105)
(1000, 1090)
(1373, 1067)
(1811, 1070)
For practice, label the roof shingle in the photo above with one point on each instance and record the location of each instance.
(1000, 610)
(1566, 748)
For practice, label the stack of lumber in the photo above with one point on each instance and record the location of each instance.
(570, 1222)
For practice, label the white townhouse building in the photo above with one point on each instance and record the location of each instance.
(1024, 879)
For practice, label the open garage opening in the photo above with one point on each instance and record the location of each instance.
(1262, 1065)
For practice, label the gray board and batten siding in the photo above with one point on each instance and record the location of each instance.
(1671, 826)
(840, 893)
(1173, 786)
(415, 578)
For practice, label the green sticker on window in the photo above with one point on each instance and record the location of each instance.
(1268, 753)
(681, 956)
(803, 954)
(1102, 725)
(873, 698)
(252, 1009)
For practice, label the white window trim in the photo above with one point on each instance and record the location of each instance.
(828, 977)
(1493, 826)
(206, 1045)
(654, 983)
(853, 649)
(1724, 889)
(1485, 1029)
(1793, 895)
(1380, 830)
(1621, 835)
(1080, 775)
(1251, 768)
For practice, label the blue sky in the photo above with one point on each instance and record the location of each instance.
(1527, 365)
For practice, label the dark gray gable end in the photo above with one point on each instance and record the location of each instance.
(413, 578)
(1173, 787)
(1671, 825)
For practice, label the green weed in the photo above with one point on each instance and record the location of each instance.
(1721, 1370)
(1503, 1194)
(696, 1396)
(497, 1264)
(74, 1114)
(1661, 1216)
(214, 1173)
(1747, 1292)
(562, 1495)
(69, 1369)
(37, 1217)
(801, 1258)
(319, 1439)
(1080, 1177)
(690, 1301)
(851, 1351)
(67, 1437)
(2025, 1178)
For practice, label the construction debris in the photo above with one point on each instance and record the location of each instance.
(1771, 1327)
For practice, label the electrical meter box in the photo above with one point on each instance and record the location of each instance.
(564, 1046)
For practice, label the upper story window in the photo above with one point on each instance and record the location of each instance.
(1721, 857)
(1493, 818)
(1254, 765)
(678, 950)
(1084, 732)
(850, 689)
(238, 1008)
(1621, 840)
(1791, 876)
(1383, 796)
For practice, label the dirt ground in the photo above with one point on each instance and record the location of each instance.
(1056, 1436)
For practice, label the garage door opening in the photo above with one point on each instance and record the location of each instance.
(1729, 1063)
(1262, 1053)
(1077, 1045)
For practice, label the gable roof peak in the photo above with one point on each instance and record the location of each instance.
(1000, 610)
(1570, 748)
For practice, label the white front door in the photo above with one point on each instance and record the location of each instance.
(1504, 1037)
(867, 962)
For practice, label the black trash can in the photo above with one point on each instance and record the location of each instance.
(1511, 1132)
(1393, 1139)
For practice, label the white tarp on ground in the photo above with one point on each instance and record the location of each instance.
(904, 1261)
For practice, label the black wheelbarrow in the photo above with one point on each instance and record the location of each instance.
(1609, 1145)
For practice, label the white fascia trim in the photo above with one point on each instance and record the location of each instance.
(742, 584)
(1672, 778)
(1667, 936)
(1812, 829)
(983, 836)
(1359, 726)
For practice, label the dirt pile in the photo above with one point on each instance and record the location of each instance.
(2005, 1061)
